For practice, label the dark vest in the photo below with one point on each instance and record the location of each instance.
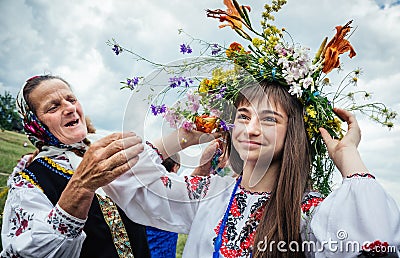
(98, 242)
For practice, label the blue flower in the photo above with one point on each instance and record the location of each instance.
(158, 109)
(215, 49)
(117, 49)
(185, 49)
(226, 127)
(132, 82)
(177, 81)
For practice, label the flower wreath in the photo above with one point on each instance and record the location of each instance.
(268, 57)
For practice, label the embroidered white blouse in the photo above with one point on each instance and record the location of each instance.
(359, 211)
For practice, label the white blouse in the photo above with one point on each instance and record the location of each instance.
(358, 213)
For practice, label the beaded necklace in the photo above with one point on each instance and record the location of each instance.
(218, 240)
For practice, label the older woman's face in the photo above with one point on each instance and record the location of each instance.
(57, 107)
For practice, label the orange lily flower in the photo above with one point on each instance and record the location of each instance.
(337, 46)
(233, 47)
(231, 15)
(205, 123)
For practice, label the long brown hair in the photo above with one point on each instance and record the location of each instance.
(282, 213)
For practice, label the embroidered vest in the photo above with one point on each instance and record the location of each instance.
(99, 240)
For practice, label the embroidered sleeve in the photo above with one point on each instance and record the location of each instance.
(30, 220)
(152, 196)
(359, 217)
(64, 223)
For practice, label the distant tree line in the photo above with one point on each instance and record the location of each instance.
(9, 118)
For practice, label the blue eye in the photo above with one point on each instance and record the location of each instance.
(270, 119)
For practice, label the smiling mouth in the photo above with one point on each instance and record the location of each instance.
(72, 123)
(251, 143)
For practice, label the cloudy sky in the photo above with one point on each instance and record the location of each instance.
(68, 38)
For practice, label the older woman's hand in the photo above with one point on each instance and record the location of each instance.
(103, 162)
(107, 159)
(344, 152)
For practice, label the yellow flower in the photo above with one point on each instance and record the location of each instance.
(310, 133)
(257, 42)
(204, 86)
(311, 112)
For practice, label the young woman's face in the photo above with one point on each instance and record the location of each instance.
(57, 107)
(259, 132)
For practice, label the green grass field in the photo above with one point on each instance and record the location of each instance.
(11, 150)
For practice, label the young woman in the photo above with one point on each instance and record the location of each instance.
(270, 209)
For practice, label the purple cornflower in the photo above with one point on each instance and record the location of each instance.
(226, 127)
(177, 81)
(221, 93)
(158, 109)
(219, 96)
(185, 49)
(132, 82)
(215, 49)
(117, 49)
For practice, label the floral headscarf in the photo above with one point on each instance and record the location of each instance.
(37, 132)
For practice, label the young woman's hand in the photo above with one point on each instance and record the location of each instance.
(204, 167)
(344, 152)
(181, 139)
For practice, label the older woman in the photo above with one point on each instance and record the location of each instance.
(55, 206)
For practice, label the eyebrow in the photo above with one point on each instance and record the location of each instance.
(265, 111)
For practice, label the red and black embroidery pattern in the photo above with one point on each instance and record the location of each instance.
(10, 253)
(20, 180)
(166, 181)
(20, 221)
(197, 186)
(375, 249)
(310, 202)
(237, 242)
(365, 175)
(63, 224)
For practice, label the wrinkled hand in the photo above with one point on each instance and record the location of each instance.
(107, 159)
(344, 152)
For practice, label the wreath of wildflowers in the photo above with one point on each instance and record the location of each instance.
(267, 57)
